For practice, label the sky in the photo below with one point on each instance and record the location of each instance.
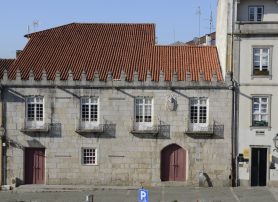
(175, 20)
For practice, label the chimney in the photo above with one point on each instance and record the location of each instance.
(18, 53)
(208, 40)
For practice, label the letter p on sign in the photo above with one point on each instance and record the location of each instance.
(142, 195)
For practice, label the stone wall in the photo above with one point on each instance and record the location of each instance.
(125, 159)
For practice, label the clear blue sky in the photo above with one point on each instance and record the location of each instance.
(176, 20)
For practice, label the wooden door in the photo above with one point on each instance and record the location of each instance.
(34, 165)
(258, 166)
(173, 159)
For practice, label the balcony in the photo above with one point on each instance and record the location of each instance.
(160, 131)
(205, 131)
(247, 27)
(35, 127)
(100, 130)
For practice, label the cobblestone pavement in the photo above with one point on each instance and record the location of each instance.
(159, 194)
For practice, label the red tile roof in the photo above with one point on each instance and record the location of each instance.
(111, 47)
(5, 64)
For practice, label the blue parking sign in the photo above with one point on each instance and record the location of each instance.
(143, 195)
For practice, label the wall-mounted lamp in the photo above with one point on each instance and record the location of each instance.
(275, 141)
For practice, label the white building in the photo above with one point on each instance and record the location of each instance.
(254, 43)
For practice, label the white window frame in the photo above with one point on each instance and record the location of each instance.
(260, 109)
(89, 156)
(143, 124)
(36, 122)
(197, 126)
(88, 124)
(263, 58)
(256, 14)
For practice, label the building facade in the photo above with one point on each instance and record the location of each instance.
(84, 107)
(4, 64)
(254, 46)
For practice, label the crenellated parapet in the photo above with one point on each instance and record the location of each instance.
(120, 82)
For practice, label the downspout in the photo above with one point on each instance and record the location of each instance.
(2, 133)
(235, 180)
(234, 134)
(3, 139)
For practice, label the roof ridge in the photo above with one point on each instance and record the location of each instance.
(82, 23)
(7, 58)
(33, 33)
(188, 46)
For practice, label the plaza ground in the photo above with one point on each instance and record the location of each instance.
(30, 193)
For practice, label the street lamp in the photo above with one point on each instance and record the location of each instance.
(275, 141)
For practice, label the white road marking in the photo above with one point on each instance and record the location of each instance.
(235, 196)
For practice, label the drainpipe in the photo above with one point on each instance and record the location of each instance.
(235, 180)
(234, 134)
(1, 140)
(3, 161)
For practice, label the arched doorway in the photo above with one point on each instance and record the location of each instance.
(173, 158)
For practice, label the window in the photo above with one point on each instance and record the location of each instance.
(260, 114)
(89, 111)
(256, 13)
(261, 61)
(35, 111)
(143, 112)
(199, 111)
(89, 156)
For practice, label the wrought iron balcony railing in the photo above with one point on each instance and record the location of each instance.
(106, 129)
(90, 129)
(155, 131)
(205, 130)
(35, 127)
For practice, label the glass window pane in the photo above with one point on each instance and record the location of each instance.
(30, 99)
(264, 117)
(203, 101)
(256, 51)
(259, 17)
(94, 100)
(148, 101)
(85, 100)
(85, 112)
(251, 17)
(256, 100)
(264, 99)
(256, 117)
(193, 102)
(94, 110)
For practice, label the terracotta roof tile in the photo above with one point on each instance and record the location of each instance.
(5, 64)
(111, 48)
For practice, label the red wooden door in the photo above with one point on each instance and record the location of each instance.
(34, 165)
(173, 163)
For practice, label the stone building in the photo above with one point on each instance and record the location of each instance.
(102, 104)
(251, 36)
(4, 64)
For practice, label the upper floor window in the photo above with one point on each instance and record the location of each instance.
(260, 111)
(143, 112)
(261, 61)
(35, 111)
(255, 13)
(199, 111)
(89, 111)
